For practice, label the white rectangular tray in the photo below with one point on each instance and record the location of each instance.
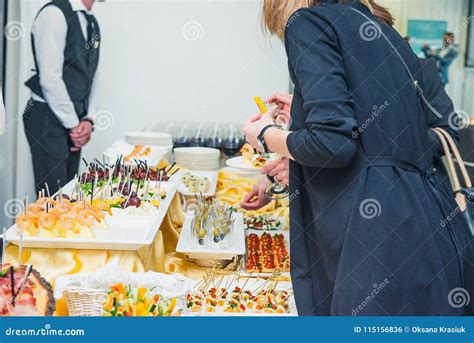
(212, 176)
(123, 232)
(121, 148)
(188, 245)
(251, 284)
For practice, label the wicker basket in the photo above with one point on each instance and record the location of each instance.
(85, 302)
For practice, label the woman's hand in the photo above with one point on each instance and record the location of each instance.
(255, 124)
(279, 169)
(256, 199)
(283, 100)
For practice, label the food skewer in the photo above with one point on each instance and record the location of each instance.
(20, 245)
(12, 281)
(129, 196)
(28, 270)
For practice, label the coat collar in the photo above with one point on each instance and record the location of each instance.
(353, 3)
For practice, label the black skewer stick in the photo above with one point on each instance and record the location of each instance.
(92, 191)
(177, 169)
(171, 167)
(12, 281)
(23, 283)
(118, 162)
(85, 162)
(138, 179)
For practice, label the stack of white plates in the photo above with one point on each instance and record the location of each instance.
(149, 138)
(197, 158)
(161, 140)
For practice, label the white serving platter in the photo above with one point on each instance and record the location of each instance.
(251, 284)
(124, 232)
(188, 245)
(121, 148)
(212, 176)
(282, 227)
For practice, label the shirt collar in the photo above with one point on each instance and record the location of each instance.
(78, 5)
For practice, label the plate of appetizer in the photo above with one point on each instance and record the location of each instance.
(198, 182)
(264, 222)
(131, 154)
(267, 252)
(250, 160)
(32, 295)
(234, 295)
(112, 216)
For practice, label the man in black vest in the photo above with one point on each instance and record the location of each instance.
(58, 119)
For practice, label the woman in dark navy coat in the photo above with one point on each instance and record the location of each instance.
(371, 234)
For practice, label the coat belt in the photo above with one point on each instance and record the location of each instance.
(428, 176)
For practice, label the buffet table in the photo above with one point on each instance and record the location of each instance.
(160, 256)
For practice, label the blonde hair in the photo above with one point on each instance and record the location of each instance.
(276, 13)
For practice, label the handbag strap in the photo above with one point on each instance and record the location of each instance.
(415, 82)
(452, 169)
(457, 155)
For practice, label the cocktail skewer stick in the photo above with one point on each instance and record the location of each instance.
(12, 281)
(25, 279)
(20, 246)
(129, 196)
(47, 189)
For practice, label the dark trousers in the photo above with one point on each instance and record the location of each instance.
(53, 162)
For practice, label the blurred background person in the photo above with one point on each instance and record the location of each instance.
(443, 56)
(58, 121)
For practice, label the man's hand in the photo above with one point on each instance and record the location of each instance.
(81, 135)
(256, 199)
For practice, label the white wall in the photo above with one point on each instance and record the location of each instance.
(152, 70)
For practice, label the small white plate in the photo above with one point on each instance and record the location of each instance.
(210, 175)
(241, 163)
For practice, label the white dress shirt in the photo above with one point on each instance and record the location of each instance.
(49, 34)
